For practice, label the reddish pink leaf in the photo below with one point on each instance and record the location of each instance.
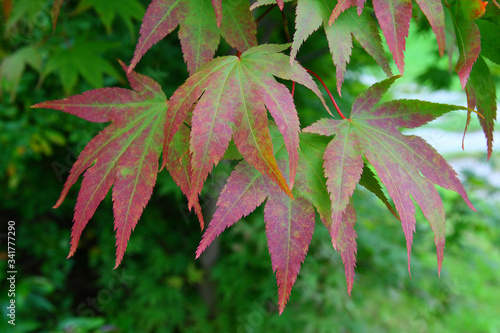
(289, 223)
(406, 165)
(312, 14)
(481, 93)
(238, 25)
(217, 5)
(469, 44)
(467, 35)
(199, 33)
(433, 10)
(210, 136)
(234, 93)
(125, 154)
(244, 191)
(178, 163)
(161, 18)
(279, 102)
(289, 229)
(394, 18)
(344, 240)
(343, 165)
(340, 7)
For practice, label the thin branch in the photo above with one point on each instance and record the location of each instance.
(264, 14)
(285, 27)
(496, 3)
(329, 93)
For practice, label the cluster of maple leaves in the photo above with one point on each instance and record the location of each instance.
(225, 103)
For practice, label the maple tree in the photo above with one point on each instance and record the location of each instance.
(224, 104)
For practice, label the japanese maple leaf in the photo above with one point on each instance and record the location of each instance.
(312, 185)
(199, 30)
(481, 93)
(407, 166)
(289, 223)
(178, 163)
(311, 14)
(394, 19)
(473, 72)
(124, 155)
(231, 95)
(464, 12)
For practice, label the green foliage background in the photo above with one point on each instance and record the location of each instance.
(159, 287)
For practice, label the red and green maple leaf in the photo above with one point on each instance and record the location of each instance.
(407, 166)
(231, 96)
(481, 93)
(124, 155)
(394, 19)
(474, 74)
(312, 14)
(289, 223)
(200, 28)
(464, 12)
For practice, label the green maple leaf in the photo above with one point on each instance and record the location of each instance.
(126, 10)
(13, 66)
(80, 59)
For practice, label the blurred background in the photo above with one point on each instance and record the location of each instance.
(159, 287)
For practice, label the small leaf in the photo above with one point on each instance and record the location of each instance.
(481, 93)
(311, 14)
(199, 28)
(394, 18)
(345, 241)
(54, 13)
(178, 163)
(467, 35)
(289, 230)
(433, 10)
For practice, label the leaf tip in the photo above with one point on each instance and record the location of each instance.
(118, 261)
(281, 4)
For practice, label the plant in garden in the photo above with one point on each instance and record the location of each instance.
(224, 104)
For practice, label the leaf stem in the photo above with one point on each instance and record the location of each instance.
(329, 93)
(495, 3)
(264, 14)
(285, 27)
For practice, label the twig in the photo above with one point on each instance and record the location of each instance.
(329, 93)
